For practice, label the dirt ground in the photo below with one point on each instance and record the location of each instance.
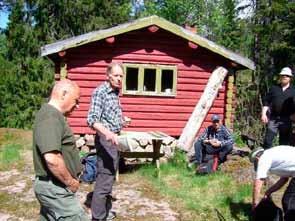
(135, 200)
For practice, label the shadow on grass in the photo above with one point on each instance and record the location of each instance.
(239, 209)
(127, 167)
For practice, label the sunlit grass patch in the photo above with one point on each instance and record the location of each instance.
(17, 136)
(10, 153)
(10, 204)
(10, 156)
(206, 197)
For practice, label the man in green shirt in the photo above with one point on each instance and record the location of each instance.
(56, 158)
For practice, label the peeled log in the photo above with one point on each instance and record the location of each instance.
(195, 121)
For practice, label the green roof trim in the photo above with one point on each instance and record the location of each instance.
(142, 23)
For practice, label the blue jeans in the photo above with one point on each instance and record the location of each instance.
(201, 150)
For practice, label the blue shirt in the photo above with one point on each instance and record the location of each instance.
(105, 108)
(222, 134)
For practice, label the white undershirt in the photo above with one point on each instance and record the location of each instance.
(279, 160)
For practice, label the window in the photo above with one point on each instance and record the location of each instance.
(132, 78)
(148, 79)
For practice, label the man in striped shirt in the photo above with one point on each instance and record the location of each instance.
(215, 140)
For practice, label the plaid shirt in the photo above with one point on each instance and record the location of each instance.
(105, 108)
(222, 134)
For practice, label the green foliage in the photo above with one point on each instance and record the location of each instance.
(62, 19)
(275, 46)
(177, 11)
(26, 78)
(179, 159)
(217, 20)
(237, 139)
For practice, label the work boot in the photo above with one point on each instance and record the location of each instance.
(111, 216)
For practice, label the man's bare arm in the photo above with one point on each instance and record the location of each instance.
(109, 135)
(257, 184)
(57, 167)
(264, 117)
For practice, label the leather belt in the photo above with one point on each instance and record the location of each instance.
(44, 178)
(52, 179)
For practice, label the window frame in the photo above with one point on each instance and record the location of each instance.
(140, 83)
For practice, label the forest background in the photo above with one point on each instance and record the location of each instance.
(262, 30)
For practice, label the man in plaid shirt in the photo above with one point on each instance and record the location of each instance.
(215, 140)
(105, 117)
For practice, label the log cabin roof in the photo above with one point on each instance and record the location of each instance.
(83, 39)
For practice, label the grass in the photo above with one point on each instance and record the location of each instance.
(10, 157)
(11, 204)
(11, 148)
(193, 197)
(238, 140)
(208, 197)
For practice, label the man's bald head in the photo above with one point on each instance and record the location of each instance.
(64, 85)
(65, 95)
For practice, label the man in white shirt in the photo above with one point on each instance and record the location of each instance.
(279, 160)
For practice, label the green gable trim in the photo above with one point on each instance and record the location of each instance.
(142, 23)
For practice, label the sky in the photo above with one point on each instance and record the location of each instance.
(3, 19)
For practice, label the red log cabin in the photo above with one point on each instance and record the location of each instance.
(167, 68)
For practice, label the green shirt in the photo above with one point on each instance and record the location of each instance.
(52, 133)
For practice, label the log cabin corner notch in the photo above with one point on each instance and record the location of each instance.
(161, 99)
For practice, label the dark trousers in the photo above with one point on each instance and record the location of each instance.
(276, 125)
(107, 165)
(288, 201)
(201, 150)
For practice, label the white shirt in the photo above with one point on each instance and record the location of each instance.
(279, 160)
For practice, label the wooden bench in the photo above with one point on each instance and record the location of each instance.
(155, 136)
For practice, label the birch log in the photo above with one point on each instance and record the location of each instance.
(195, 121)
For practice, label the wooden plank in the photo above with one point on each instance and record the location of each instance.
(146, 115)
(135, 123)
(155, 101)
(99, 78)
(180, 94)
(202, 107)
(170, 131)
(159, 109)
(140, 154)
(182, 86)
(156, 125)
(201, 81)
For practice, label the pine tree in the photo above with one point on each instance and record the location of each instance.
(27, 77)
(55, 20)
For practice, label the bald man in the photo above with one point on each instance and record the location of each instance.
(56, 158)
